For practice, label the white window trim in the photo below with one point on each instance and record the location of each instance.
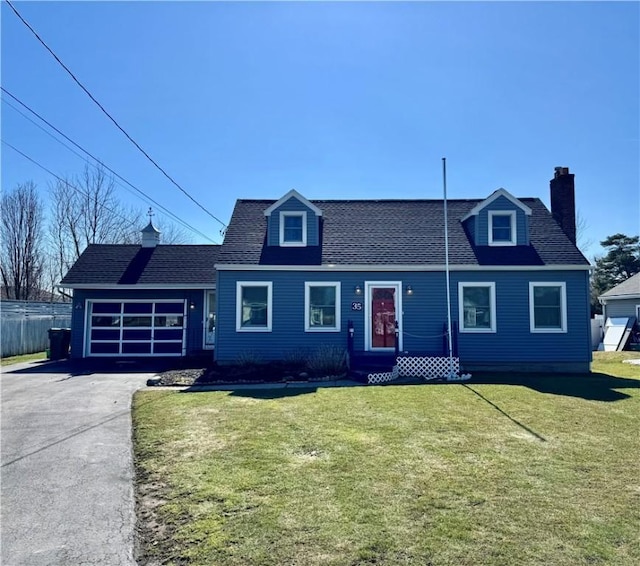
(307, 305)
(492, 307)
(563, 307)
(284, 214)
(239, 286)
(514, 236)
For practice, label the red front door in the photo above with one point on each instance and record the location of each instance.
(383, 317)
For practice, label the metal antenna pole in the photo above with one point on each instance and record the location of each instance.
(446, 263)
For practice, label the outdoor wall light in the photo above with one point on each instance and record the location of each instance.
(192, 305)
(358, 290)
(409, 290)
(78, 306)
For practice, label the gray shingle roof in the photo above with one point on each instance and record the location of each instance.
(630, 287)
(393, 232)
(113, 264)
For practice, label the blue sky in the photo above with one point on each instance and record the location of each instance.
(336, 100)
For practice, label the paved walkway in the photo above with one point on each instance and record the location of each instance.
(67, 468)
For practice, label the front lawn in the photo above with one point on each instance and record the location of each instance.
(456, 474)
(11, 360)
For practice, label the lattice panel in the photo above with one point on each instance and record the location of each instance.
(428, 367)
(383, 377)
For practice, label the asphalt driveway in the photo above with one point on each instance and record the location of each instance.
(67, 469)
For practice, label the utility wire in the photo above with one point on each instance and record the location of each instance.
(109, 115)
(60, 178)
(140, 191)
(146, 197)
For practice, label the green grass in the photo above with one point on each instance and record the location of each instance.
(542, 472)
(36, 357)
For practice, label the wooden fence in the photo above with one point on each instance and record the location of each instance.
(24, 325)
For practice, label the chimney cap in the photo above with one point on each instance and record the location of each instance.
(558, 171)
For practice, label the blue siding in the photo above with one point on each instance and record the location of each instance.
(501, 204)
(472, 226)
(293, 205)
(194, 332)
(424, 315)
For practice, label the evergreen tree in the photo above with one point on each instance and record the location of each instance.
(621, 261)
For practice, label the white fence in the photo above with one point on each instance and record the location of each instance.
(24, 325)
(597, 331)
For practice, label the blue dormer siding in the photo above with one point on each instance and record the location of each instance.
(293, 205)
(470, 226)
(479, 225)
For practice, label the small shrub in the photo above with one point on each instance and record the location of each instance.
(248, 358)
(327, 360)
(296, 359)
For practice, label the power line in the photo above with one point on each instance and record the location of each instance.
(145, 196)
(60, 178)
(109, 115)
(140, 191)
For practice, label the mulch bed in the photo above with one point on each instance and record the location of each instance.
(260, 373)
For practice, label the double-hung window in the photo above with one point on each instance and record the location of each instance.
(293, 228)
(253, 306)
(502, 228)
(548, 307)
(322, 307)
(477, 307)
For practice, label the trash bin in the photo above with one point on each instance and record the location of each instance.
(59, 340)
(66, 341)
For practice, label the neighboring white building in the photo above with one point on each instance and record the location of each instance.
(623, 300)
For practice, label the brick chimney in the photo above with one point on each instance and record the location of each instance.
(563, 201)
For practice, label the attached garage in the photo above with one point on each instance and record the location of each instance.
(143, 301)
(136, 328)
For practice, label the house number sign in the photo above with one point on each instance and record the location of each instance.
(356, 306)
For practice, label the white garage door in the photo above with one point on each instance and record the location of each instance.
(136, 328)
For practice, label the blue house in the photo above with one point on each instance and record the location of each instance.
(368, 275)
(295, 274)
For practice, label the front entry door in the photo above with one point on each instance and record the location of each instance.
(383, 310)
(209, 322)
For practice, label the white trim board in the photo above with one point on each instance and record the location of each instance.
(239, 286)
(293, 243)
(307, 304)
(368, 286)
(497, 194)
(492, 307)
(394, 268)
(155, 287)
(533, 329)
(512, 228)
(295, 194)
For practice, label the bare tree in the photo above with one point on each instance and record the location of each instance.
(21, 252)
(86, 210)
(171, 233)
(583, 241)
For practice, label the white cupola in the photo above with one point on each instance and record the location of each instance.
(150, 234)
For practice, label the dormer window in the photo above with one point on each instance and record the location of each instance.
(293, 228)
(502, 228)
